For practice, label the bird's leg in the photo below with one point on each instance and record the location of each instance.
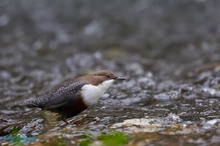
(63, 119)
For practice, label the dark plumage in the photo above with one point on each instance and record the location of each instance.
(67, 98)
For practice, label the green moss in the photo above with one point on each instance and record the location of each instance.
(217, 87)
(85, 140)
(60, 141)
(112, 138)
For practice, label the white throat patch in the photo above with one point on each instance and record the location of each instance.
(91, 93)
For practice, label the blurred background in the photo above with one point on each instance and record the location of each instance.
(79, 35)
(169, 50)
(53, 28)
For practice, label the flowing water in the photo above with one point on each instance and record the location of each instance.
(168, 50)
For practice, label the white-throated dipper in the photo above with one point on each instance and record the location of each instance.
(74, 96)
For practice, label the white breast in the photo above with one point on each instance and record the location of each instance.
(91, 93)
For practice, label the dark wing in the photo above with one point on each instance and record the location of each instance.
(63, 96)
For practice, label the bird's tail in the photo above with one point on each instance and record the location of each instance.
(31, 103)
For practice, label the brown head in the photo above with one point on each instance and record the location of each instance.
(100, 76)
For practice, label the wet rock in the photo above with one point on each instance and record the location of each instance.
(146, 82)
(147, 125)
(213, 92)
(165, 85)
(166, 96)
(135, 68)
(139, 125)
(34, 127)
(174, 117)
(210, 123)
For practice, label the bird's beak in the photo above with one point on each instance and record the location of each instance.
(120, 78)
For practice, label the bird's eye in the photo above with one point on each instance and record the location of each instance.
(107, 75)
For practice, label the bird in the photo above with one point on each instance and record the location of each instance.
(70, 98)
